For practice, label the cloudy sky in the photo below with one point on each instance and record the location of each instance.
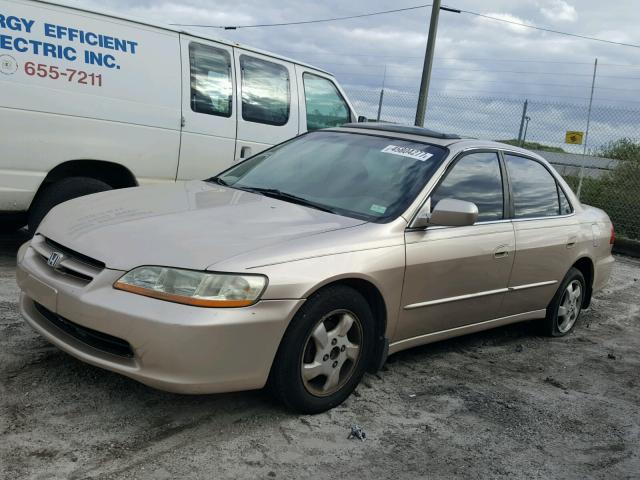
(475, 57)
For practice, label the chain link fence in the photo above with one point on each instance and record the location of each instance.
(609, 165)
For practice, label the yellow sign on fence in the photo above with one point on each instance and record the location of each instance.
(574, 137)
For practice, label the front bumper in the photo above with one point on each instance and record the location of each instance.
(177, 348)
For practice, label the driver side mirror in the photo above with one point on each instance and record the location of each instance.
(448, 212)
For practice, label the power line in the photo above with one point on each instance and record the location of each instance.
(529, 60)
(550, 30)
(518, 94)
(533, 84)
(303, 22)
(416, 7)
(482, 70)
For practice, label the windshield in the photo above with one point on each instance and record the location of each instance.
(356, 175)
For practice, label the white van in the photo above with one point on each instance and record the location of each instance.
(90, 102)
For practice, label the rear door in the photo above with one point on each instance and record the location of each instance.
(208, 110)
(457, 276)
(546, 232)
(267, 102)
(322, 103)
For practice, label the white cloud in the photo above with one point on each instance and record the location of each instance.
(559, 10)
(508, 18)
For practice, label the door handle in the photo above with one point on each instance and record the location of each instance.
(501, 251)
(245, 152)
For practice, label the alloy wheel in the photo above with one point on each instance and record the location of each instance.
(331, 353)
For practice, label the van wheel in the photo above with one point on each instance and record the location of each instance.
(325, 351)
(11, 222)
(566, 305)
(59, 192)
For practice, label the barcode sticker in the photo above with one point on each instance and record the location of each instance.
(407, 152)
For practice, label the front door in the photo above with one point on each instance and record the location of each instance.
(457, 276)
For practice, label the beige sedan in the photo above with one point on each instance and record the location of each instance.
(307, 264)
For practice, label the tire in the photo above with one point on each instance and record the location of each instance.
(566, 305)
(59, 192)
(339, 309)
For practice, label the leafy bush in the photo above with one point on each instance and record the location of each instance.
(617, 192)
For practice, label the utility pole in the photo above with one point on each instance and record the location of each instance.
(428, 60)
(586, 133)
(524, 115)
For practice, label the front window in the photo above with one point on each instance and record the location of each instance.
(476, 178)
(325, 105)
(363, 176)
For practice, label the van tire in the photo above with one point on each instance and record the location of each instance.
(10, 222)
(61, 191)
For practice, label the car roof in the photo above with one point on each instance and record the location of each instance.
(421, 134)
(178, 29)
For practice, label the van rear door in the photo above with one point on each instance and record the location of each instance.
(209, 110)
(267, 102)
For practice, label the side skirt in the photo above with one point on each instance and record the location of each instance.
(459, 331)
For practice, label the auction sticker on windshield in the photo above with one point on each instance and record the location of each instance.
(407, 152)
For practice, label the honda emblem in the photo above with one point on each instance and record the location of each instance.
(54, 259)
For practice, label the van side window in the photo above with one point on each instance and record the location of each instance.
(266, 96)
(535, 192)
(211, 90)
(325, 105)
(476, 178)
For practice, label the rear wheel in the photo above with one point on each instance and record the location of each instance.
(325, 351)
(564, 309)
(61, 191)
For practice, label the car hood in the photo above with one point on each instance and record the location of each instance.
(189, 225)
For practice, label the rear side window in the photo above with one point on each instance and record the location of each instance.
(535, 193)
(325, 105)
(476, 178)
(266, 96)
(211, 90)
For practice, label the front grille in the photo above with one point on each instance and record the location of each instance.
(98, 340)
(92, 262)
(73, 264)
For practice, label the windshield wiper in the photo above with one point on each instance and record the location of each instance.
(217, 180)
(275, 193)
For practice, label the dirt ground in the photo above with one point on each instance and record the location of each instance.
(505, 403)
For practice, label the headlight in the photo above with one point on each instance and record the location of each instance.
(201, 289)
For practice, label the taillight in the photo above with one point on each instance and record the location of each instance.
(612, 238)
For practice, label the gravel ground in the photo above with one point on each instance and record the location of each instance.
(505, 403)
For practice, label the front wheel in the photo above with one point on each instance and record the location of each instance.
(566, 305)
(325, 351)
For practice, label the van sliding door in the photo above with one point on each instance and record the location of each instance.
(208, 109)
(267, 102)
